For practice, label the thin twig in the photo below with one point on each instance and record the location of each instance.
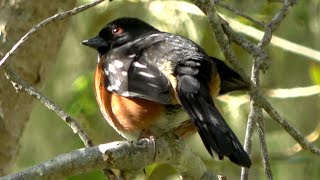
(243, 42)
(20, 84)
(257, 116)
(263, 146)
(45, 22)
(313, 136)
(257, 110)
(275, 22)
(248, 143)
(284, 123)
(239, 13)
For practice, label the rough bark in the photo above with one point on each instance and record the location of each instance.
(32, 62)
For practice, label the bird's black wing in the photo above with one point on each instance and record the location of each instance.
(193, 77)
(131, 74)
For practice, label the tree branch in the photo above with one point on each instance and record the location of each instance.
(239, 13)
(284, 123)
(20, 84)
(47, 21)
(124, 155)
(243, 42)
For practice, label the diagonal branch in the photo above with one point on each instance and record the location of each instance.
(47, 21)
(284, 123)
(239, 13)
(20, 84)
(275, 22)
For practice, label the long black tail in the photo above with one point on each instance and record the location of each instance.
(212, 128)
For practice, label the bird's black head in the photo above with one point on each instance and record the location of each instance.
(119, 32)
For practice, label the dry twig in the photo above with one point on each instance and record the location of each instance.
(20, 84)
(239, 13)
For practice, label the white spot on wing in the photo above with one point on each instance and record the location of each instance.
(132, 56)
(118, 83)
(126, 94)
(154, 35)
(113, 87)
(118, 64)
(124, 73)
(111, 68)
(153, 85)
(99, 58)
(146, 74)
(139, 65)
(109, 88)
(106, 72)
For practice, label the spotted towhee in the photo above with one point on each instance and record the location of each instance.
(149, 82)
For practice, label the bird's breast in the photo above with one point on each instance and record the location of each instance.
(135, 118)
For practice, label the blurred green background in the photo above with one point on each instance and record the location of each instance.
(71, 86)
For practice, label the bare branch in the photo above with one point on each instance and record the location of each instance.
(263, 144)
(257, 116)
(124, 155)
(47, 21)
(20, 84)
(248, 143)
(275, 22)
(284, 123)
(239, 13)
(243, 42)
(313, 136)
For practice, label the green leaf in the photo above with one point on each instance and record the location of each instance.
(315, 73)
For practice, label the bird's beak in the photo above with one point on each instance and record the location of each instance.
(95, 42)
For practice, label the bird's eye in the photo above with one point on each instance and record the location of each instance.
(117, 30)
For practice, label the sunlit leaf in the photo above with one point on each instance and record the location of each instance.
(315, 73)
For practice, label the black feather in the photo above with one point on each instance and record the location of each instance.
(217, 136)
(230, 80)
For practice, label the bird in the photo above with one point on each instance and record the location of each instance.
(148, 82)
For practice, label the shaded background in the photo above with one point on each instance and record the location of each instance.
(71, 86)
